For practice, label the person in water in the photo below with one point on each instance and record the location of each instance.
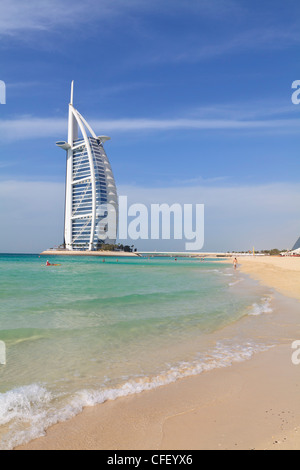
(47, 263)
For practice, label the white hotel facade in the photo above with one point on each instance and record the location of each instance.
(90, 186)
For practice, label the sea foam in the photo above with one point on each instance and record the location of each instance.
(263, 307)
(26, 412)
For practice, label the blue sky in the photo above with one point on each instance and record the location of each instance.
(196, 97)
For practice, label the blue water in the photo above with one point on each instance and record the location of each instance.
(88, 330)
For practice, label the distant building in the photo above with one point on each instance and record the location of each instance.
(90, 186)
(297, 245)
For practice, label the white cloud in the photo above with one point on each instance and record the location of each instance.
(247, 110)
(17, 16)
(28, 127)
(31, 215)
(33, 128)
(237, 42)
(184, 123)
(137, 17)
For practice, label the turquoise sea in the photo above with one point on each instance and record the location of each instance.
(87, 331)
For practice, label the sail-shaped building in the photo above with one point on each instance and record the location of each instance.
(91, 196)
(297, 245)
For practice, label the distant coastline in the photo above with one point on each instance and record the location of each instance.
(136, 254)
(88, 253)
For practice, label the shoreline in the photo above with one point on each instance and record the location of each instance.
(249, 405)
(231, 412)
(118, 254)
(156, 254)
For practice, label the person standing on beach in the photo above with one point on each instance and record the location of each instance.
(235, 262)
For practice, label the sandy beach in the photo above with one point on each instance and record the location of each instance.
(281, 273)
(250, 405)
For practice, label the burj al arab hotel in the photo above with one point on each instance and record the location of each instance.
(91, 194)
